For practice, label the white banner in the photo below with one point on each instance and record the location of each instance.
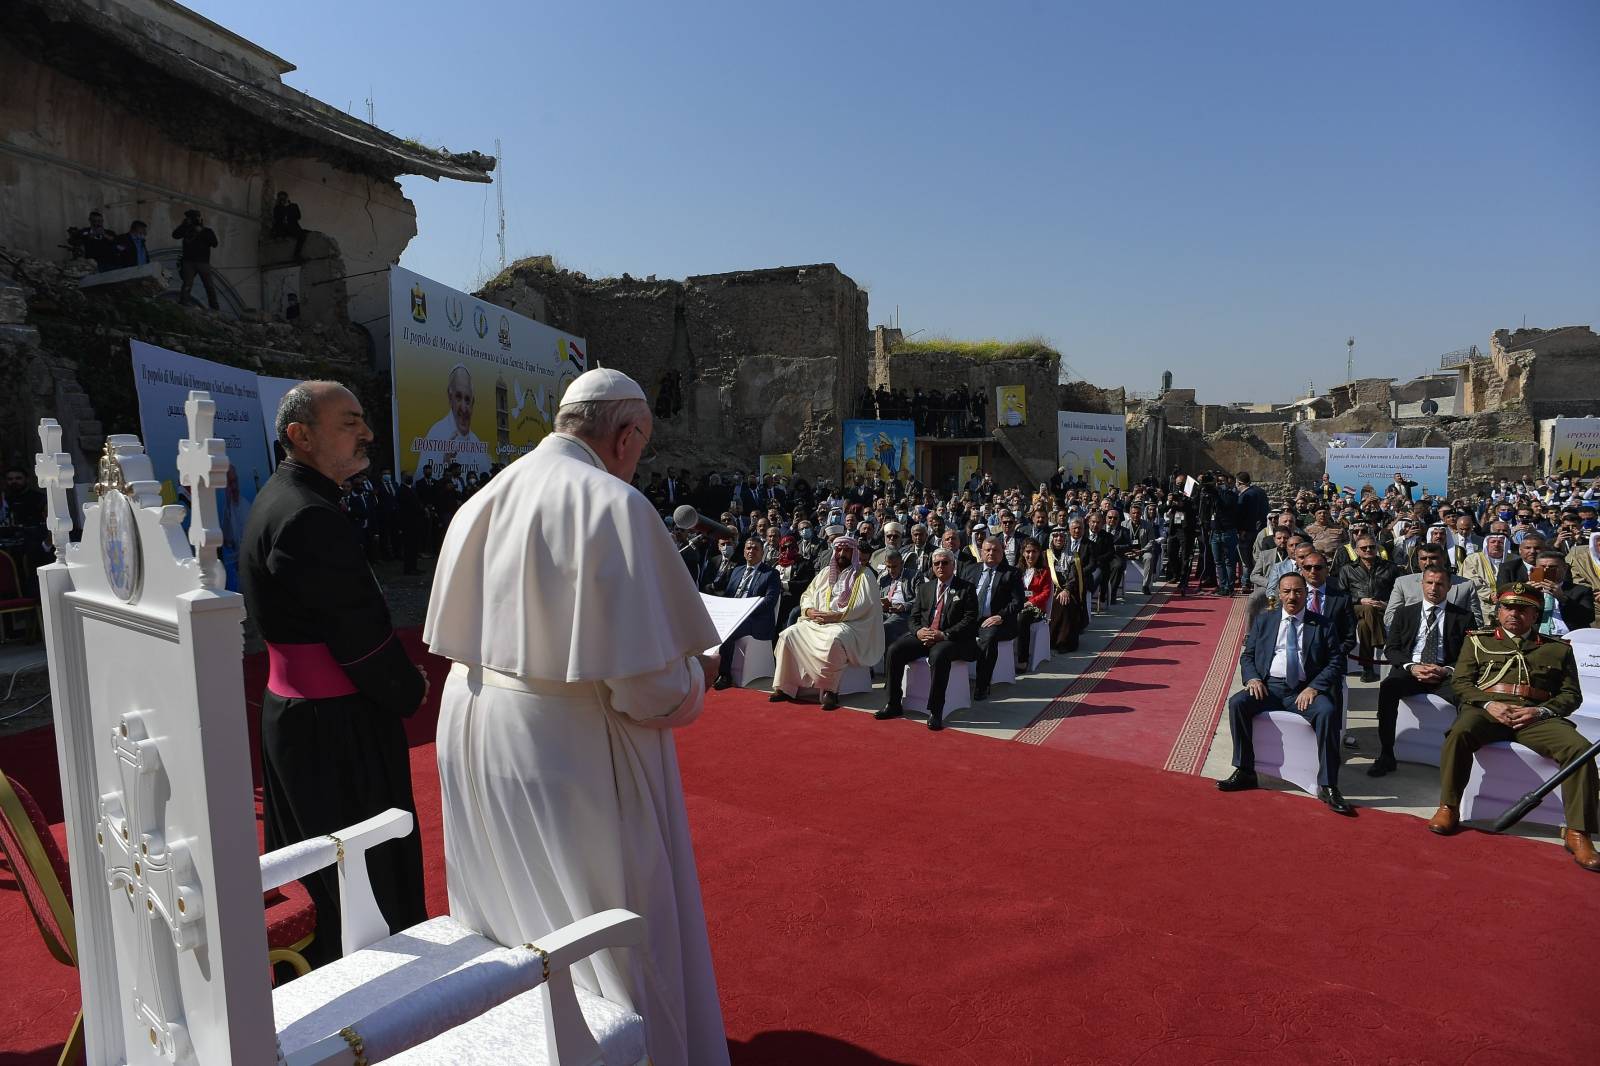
(474, 384)
(163, 379)
(1094, 448)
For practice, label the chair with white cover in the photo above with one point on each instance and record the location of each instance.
(918, 682)
(855, 679)
(1286, 748)
(1005, 663)
(754, 658)
(145, 651)
(1504, 772)
(1421, 721)
(1038, 644)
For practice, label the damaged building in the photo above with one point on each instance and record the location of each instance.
(143, 110)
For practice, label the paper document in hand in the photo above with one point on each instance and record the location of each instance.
(728, 613)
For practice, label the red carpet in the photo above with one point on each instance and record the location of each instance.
(1154, 695)
(881, 894)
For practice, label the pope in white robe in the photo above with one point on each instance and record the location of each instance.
(574, 628)
(840, 625)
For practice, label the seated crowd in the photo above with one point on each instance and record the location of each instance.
(894, 572)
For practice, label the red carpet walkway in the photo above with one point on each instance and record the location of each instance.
(879, 894)
(1154, 695)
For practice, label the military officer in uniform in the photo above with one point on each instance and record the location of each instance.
(1513, 683)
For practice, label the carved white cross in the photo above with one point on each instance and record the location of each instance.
(203, 467)
(53, 468)
(153, 880)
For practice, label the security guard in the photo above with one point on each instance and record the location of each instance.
(1513, 683)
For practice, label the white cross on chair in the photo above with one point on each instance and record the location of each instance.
(155, 877)
(203, 468)
(53, 468)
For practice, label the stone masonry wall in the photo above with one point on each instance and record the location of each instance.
(767, 358)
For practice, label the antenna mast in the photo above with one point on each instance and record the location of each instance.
(500, 197)
(1350, 359)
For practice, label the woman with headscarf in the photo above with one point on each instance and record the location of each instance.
(840, 625)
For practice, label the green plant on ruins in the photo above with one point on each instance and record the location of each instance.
(986, 350)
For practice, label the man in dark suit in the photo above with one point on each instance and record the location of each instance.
(1516, 568)
(998, 590)
(718, 566)
(944, 626)
(1291, 662)
(754, 578)
(1252, 513)
(1325, 597)
(1099, 549)
(1567, 604)
(1424, 643)
(1010, 540)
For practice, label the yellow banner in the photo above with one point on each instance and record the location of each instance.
(474, 384)
(1575, 447)
(1011, 405)
(782, 465)
(966, 466)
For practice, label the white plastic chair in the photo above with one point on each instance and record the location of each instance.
(917, 682)
(1286, 748)
(855, 679)
(1504, 772)
(753, 658)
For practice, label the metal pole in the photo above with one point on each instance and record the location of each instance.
(1520, 809)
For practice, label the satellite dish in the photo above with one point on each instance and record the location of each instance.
(1430, 407)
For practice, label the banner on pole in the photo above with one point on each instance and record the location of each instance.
(1353, 469)
(1093, 447)
(474, 384)
(878, 448)
(163, 379)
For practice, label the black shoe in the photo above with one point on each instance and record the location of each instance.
(1369, 675)
(722, 682)
(892, 711)
(1336, 803)
(779, 696)
(830, 701)
(1384, 764)
(981, 694)
(1239, 781)
(936, 723)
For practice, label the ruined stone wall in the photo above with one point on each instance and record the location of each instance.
(64, 354)
(1082, 396)
(768, 358)
(66, 147)
(1028, 452)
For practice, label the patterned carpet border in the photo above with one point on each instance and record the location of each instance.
(1061, 708)
(1188, 753)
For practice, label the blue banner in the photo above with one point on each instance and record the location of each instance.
(163, 380)
(1353, 469)
(879, 448)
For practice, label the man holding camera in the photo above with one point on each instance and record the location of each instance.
(198, 240)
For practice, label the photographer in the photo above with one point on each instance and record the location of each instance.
(1179, 517)
(94, 241)
(198, 240)
(1219, 508)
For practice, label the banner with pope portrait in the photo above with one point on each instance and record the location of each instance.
(781, 465)
(879, 448)
(1011, 405)
(474, 384)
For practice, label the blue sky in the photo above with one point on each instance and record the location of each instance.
(1224, 190)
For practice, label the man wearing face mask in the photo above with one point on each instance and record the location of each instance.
(719, 567)
(808, 546)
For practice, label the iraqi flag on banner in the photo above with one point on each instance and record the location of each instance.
(1108, 457)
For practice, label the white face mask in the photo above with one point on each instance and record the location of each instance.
(727, 550)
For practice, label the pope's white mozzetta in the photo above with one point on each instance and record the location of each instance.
(574, 627)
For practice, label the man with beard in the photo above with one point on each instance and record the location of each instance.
(451, 440)
(339, 684)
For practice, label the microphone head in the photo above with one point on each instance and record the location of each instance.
(686, 517)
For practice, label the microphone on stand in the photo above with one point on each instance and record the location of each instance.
(691, 520)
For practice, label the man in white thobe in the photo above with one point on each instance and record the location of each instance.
(574, 628)
(840, 625)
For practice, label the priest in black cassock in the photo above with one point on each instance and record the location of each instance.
(333, 742)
